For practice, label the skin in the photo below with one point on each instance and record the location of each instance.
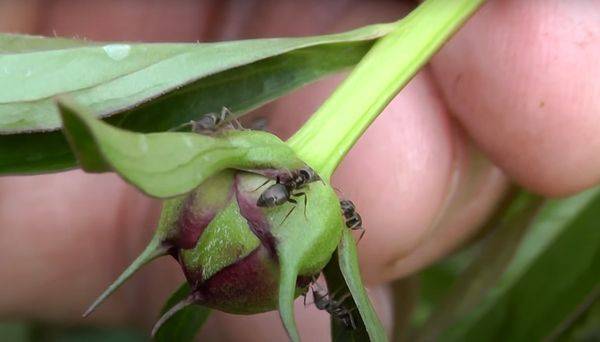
(512, 96)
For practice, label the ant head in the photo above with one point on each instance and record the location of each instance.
(320, 297)
(346, 205)
(308, 174)
(207, 122)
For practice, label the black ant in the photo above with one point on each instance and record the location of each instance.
(283, 190)
(353, 219)
(259, 124)
(210, 123)
(336, 308)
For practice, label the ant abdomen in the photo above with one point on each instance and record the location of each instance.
(352, 217)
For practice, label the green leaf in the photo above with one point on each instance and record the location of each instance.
(495, 255)
(155, 87)
(305, 243)
(433, 283)
(348, 261)
(185, 324)
(168, 164)
(113, 77)
(78, 333)
(585, 323)
(336, 286)
(16, 332)
(554, 272)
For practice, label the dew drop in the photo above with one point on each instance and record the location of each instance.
(143, 144)
(188, 142)
(117, 51)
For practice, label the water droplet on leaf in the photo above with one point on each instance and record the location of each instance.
(117, 51)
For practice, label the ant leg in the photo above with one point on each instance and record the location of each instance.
(289, 212)
(237, 125)
(184, 125)
(263, 184)
(305, 202)
(225, 112)
(363, 231)
(345, 297)
(352, 323)
(334, 293)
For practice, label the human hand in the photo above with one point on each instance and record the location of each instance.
(518, 83)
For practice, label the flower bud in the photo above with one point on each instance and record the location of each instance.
(233, 251)
(234, 264)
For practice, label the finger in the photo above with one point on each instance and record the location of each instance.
(126, 20)
(417, 174)
(65, 237)
(18, 16)
(522, 77)
(421, 188)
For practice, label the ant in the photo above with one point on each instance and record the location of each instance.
(210, 123)
(260, 124)
(353, 219)
(283, 190)
(336, 308)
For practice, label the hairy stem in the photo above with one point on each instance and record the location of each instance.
(330, 133)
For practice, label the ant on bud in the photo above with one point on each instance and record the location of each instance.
(283, 190)
(211, 123)
(353, 219)
(335, 307)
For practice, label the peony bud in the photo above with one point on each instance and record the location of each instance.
(232, 251)
(234, 265)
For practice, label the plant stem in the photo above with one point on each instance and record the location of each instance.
(330, 133)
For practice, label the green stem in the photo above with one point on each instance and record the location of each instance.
(330, 133)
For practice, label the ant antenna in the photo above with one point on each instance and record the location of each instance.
(363, 231)
(179, 127)
(265, 183)
(339, 191)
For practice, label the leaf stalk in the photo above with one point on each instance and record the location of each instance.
(332, 131)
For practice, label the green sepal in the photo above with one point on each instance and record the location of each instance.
(306, 239)
(348, 261)
(168, 164)
(184, 325)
